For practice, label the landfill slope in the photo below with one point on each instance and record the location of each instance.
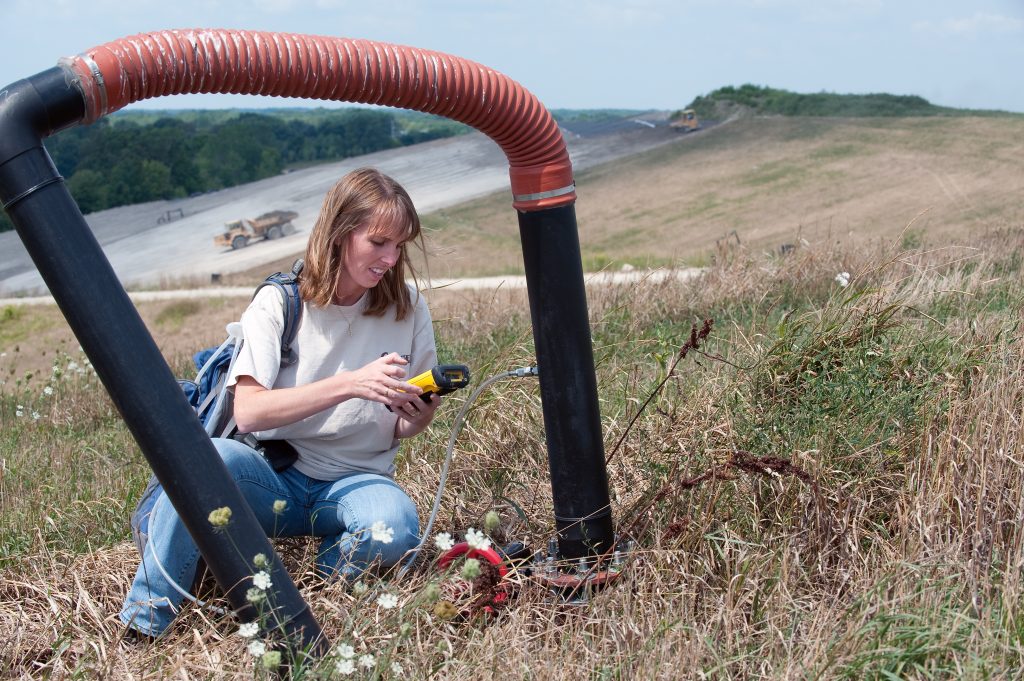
(146, 250)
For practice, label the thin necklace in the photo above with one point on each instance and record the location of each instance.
(348, 321)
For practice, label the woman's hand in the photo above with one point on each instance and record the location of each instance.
(415, 416)
(379, 381)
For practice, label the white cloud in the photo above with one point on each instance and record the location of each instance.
(978, 24)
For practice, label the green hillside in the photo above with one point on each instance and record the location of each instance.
(767, 101)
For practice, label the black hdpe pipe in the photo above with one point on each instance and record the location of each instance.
(111, 76)
(568, 385)
(126, 358)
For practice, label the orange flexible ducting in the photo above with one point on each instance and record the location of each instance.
(172, 62)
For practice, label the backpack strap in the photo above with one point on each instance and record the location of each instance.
(288, 285)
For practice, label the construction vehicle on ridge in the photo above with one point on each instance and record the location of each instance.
(272, 225)
(685, 120)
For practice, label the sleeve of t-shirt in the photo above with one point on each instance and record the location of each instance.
(262, 324)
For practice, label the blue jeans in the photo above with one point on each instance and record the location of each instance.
(340, 511)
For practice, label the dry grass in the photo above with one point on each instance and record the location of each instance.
(828, 487)
(769, 180)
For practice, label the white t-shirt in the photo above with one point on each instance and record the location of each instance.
(356, 435)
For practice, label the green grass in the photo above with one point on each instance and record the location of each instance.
(18, 326)
(837, 152)
(804, 486)
(71, 466)
(174, 315)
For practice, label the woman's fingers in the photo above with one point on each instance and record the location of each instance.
(381, 381)
(397, 393)
(418, 411)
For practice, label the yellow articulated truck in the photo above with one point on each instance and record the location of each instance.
(273, 225)
(685, 120)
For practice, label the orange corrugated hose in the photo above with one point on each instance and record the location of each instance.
(171, 62)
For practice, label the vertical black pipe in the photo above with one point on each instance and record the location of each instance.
(568, 385)
(125, 356)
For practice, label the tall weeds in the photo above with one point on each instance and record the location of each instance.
(828, 485)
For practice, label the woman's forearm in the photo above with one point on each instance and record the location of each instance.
(405, 429)
(257, 408)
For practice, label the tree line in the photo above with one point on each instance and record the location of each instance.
(772, 101)
(128, 159)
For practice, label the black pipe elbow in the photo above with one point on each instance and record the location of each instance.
(36, 107)
(30, 110)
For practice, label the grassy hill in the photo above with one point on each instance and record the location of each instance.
(766, 182)
(766, 101)
(828, 487)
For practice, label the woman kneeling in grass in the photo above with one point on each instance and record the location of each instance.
(343, 405)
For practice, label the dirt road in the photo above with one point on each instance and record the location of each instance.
(437, 174)
(511, 281)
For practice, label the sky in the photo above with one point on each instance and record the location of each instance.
(630, 54)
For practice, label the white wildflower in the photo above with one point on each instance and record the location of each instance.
(261, 580)
(432, 592)
(444, 541)
(396, 669)
(843, 279)
(345, 667)
(477, 540)
(471, 569)
(257, 648)
(366, 661)
(271, 660)
(248, 630)
(36, 416)
(73, 366)
(382, 533)
(344, 651)
(387, 601)
(360, 588)
(491, 521)
(48, 390)
(220, 517)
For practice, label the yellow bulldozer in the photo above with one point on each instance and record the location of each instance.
(273, 225)
(685, 120)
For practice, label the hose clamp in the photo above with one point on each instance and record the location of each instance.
(97, 77)
(561, 191)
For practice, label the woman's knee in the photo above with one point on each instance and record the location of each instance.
(404, 523)
(391, 530)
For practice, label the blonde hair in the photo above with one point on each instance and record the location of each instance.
(363, 197)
